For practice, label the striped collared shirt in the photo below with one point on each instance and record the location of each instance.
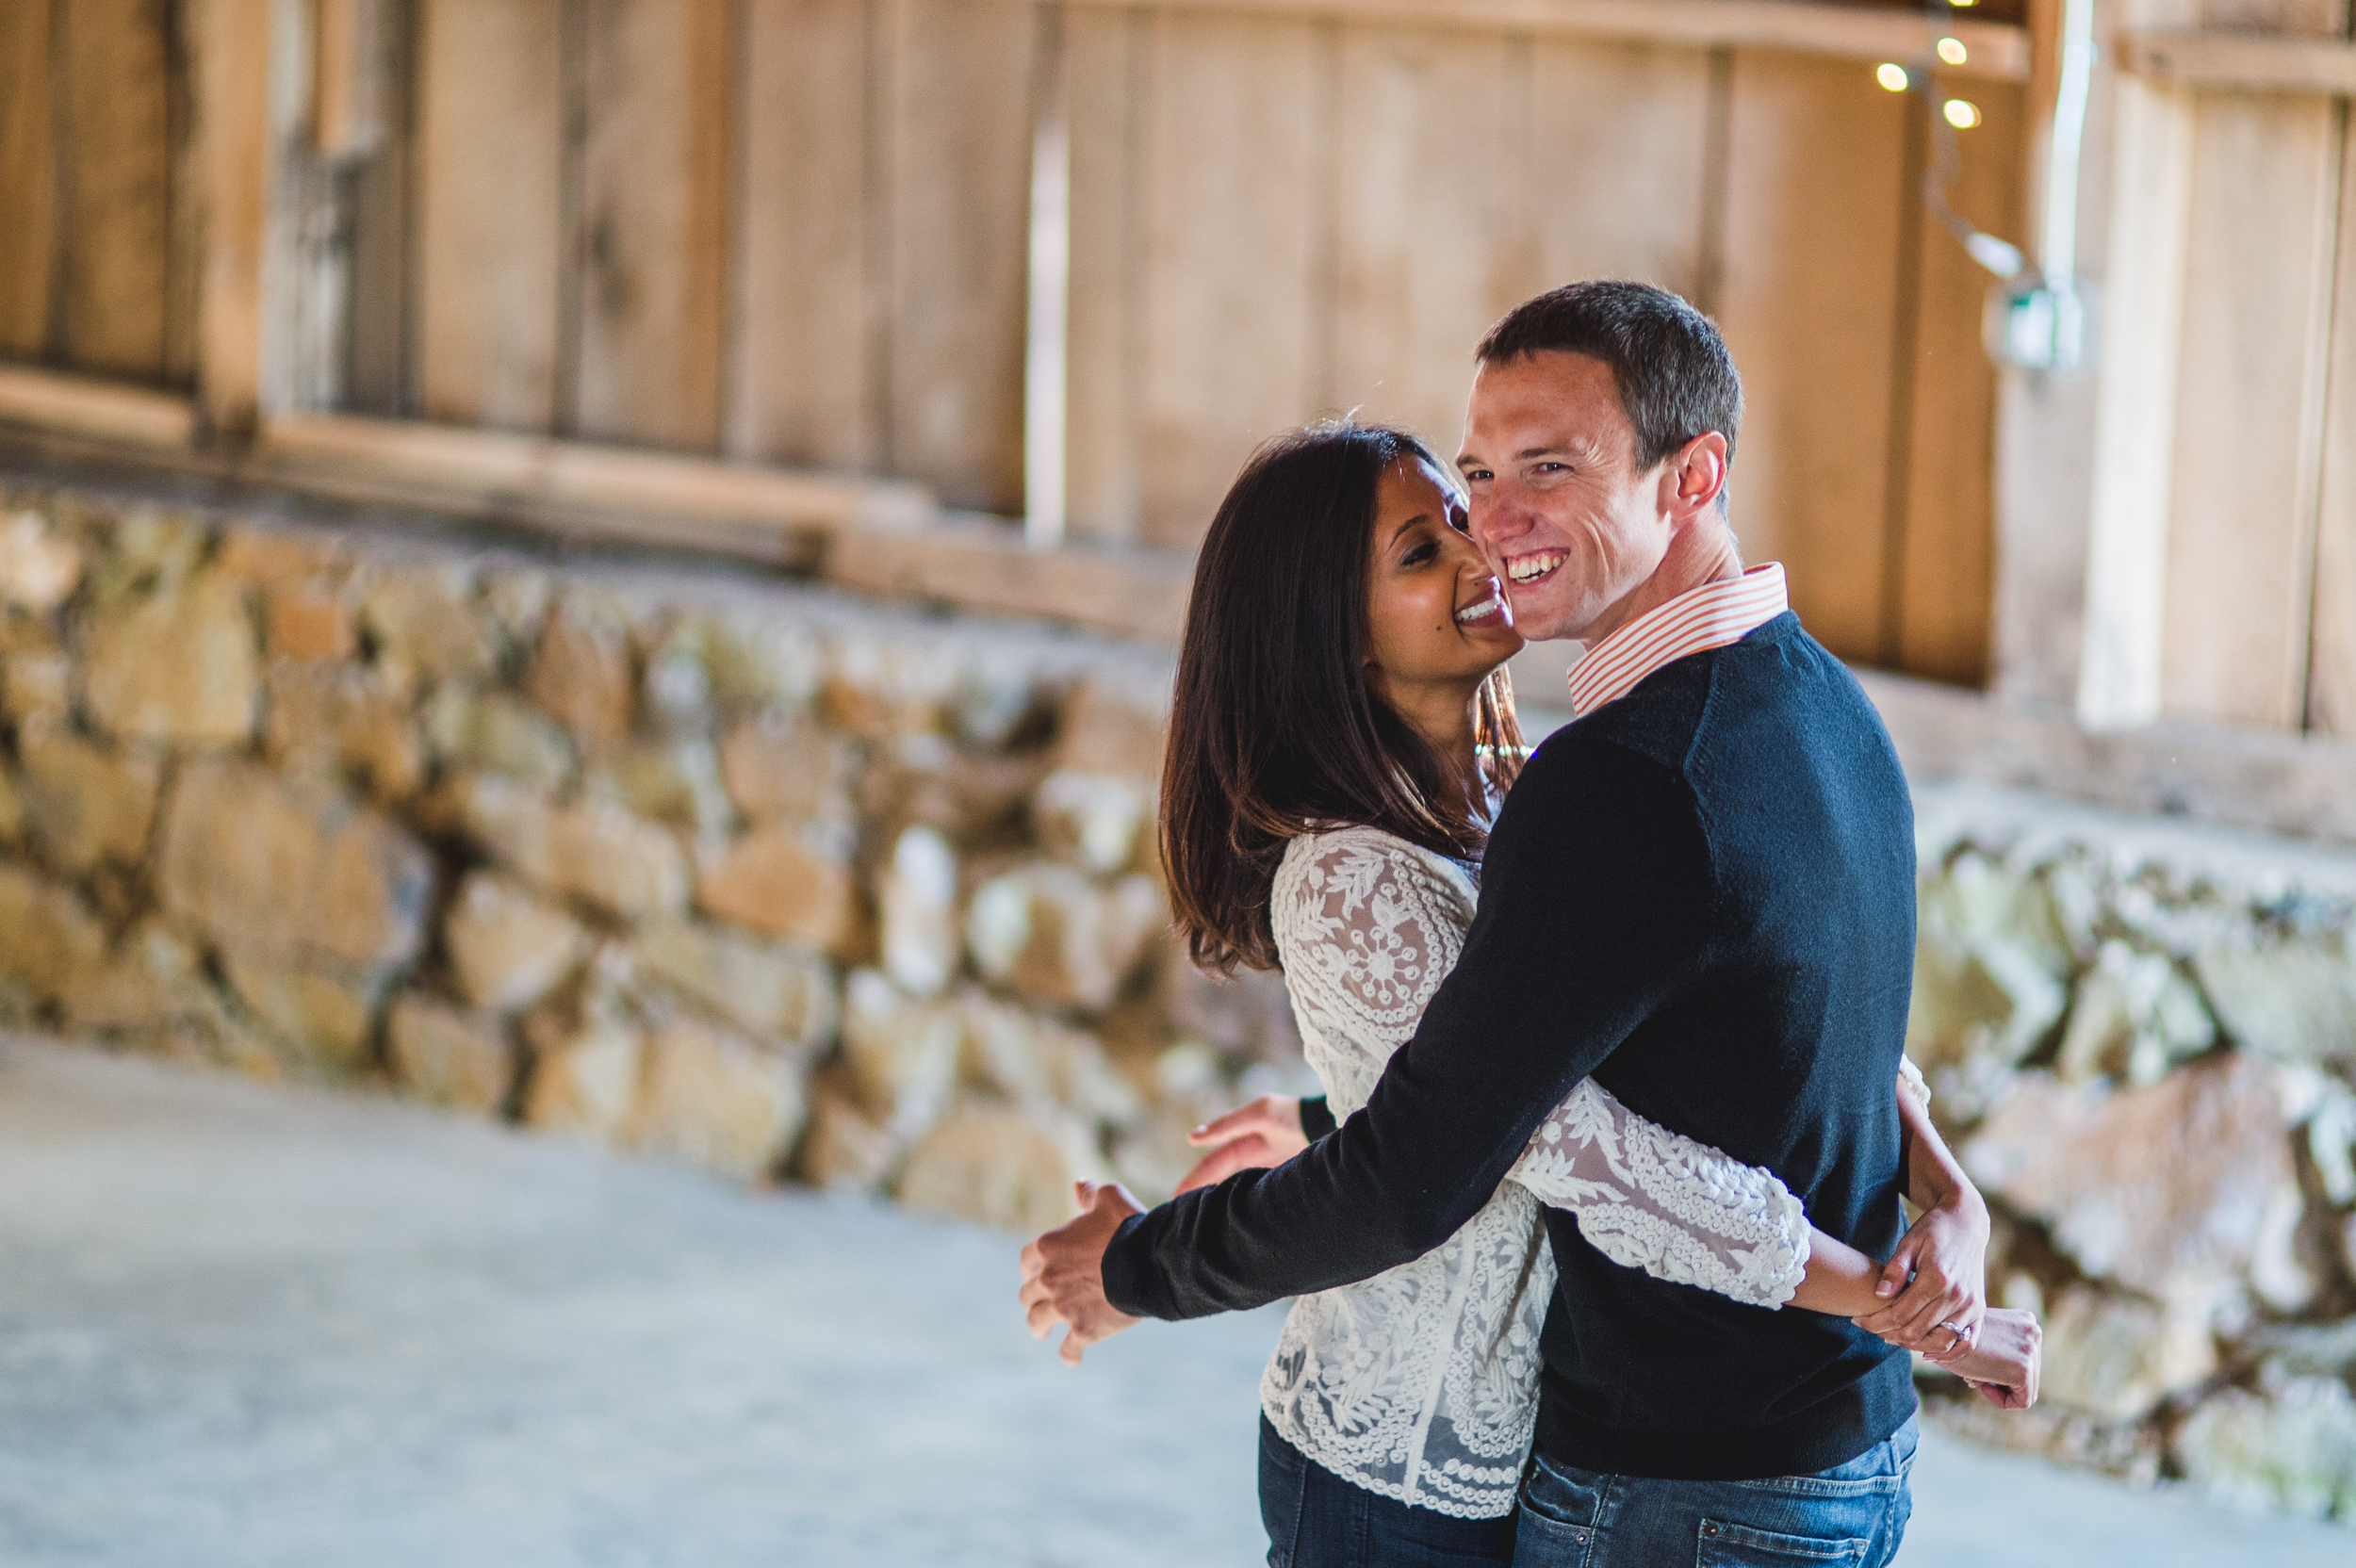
(1714, 615)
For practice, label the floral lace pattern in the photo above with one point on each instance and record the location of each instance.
(1421, 1384)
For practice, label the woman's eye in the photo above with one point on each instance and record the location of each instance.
(1420, 554)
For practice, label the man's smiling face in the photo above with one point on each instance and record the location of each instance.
(1570, 522)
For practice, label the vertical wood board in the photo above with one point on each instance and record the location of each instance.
(1104, 86)
(1617, 175)
(28, 195)
(1236, 142)
(376, 124)
(2248, 418)
(231, 45)
(1810, 294)
(489, 144)
(1430, 244)
(961, 106)
(116, 206)
(801, 368)
(1947, 559)
(654, 222)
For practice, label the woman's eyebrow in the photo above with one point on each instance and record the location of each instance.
(1419, 518)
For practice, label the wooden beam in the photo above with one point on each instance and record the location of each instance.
(573, 478)
(231, 41)
(2177, 767)
(100, 410)
(572, 487)
(982, 563)
(2248, 63)
(1993, 49)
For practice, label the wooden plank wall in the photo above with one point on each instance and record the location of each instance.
(795, 231)
(2260, 617)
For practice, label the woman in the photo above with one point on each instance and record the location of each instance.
(1342, 731)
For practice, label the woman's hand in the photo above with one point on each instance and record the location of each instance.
(1937, 1278)
(2005, 1363)
(1263, 1134)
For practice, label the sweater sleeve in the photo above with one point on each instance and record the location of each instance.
(1316, 1117)
(1599, 853)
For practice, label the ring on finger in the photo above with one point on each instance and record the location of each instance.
(1960, 1341)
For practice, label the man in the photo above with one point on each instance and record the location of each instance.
(1702, 893)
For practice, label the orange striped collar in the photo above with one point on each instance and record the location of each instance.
(1711, 616)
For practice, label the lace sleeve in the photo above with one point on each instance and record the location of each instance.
(1650, 1198)
(1366, 930)
(1910, 1080)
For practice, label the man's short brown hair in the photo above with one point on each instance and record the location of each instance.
(1676, 379)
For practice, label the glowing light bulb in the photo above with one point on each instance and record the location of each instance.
(1962, 115)
(1952, 52)
(1891, 76)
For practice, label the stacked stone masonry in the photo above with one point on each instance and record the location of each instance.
(783, 884)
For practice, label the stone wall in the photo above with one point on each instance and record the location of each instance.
(729, 872)
(2142, 1038)
(778, 882)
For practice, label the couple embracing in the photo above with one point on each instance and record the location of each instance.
(1595, 1237)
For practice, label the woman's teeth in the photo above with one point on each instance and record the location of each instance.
(1486, 610)
(1529, 568)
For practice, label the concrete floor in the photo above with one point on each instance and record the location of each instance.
(253, 1326)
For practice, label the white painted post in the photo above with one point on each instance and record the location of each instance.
(1045, 362)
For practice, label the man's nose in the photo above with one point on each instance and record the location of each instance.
(1495, 521)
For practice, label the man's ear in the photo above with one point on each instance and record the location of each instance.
(1699, 473)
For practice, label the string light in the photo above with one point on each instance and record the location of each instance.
(1891, 76)
(1952, 52)
(1962, 115)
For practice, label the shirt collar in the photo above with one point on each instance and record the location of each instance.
(1714, 615)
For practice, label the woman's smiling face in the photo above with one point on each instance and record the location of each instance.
(1438, 617)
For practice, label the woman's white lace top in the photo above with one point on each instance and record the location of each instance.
(1422, 1383)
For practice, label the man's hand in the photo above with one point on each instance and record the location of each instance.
(1263, 1133)
(2006, 1363)
(1938, 1277)
(1063, 1272)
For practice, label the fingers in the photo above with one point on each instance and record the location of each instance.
(1216, 1167)
(1923, 1306)
(1897, 1271)
(1236, 1123)
(1075, 1346)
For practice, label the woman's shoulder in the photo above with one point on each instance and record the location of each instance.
(1359, 850)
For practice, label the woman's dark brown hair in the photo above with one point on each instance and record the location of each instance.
(1273, 731)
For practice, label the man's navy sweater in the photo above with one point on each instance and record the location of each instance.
(1702, 894)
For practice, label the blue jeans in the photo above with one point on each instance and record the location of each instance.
(1853, 1517)
(1316, 1519)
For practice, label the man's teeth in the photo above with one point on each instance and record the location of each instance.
(1532, 567)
